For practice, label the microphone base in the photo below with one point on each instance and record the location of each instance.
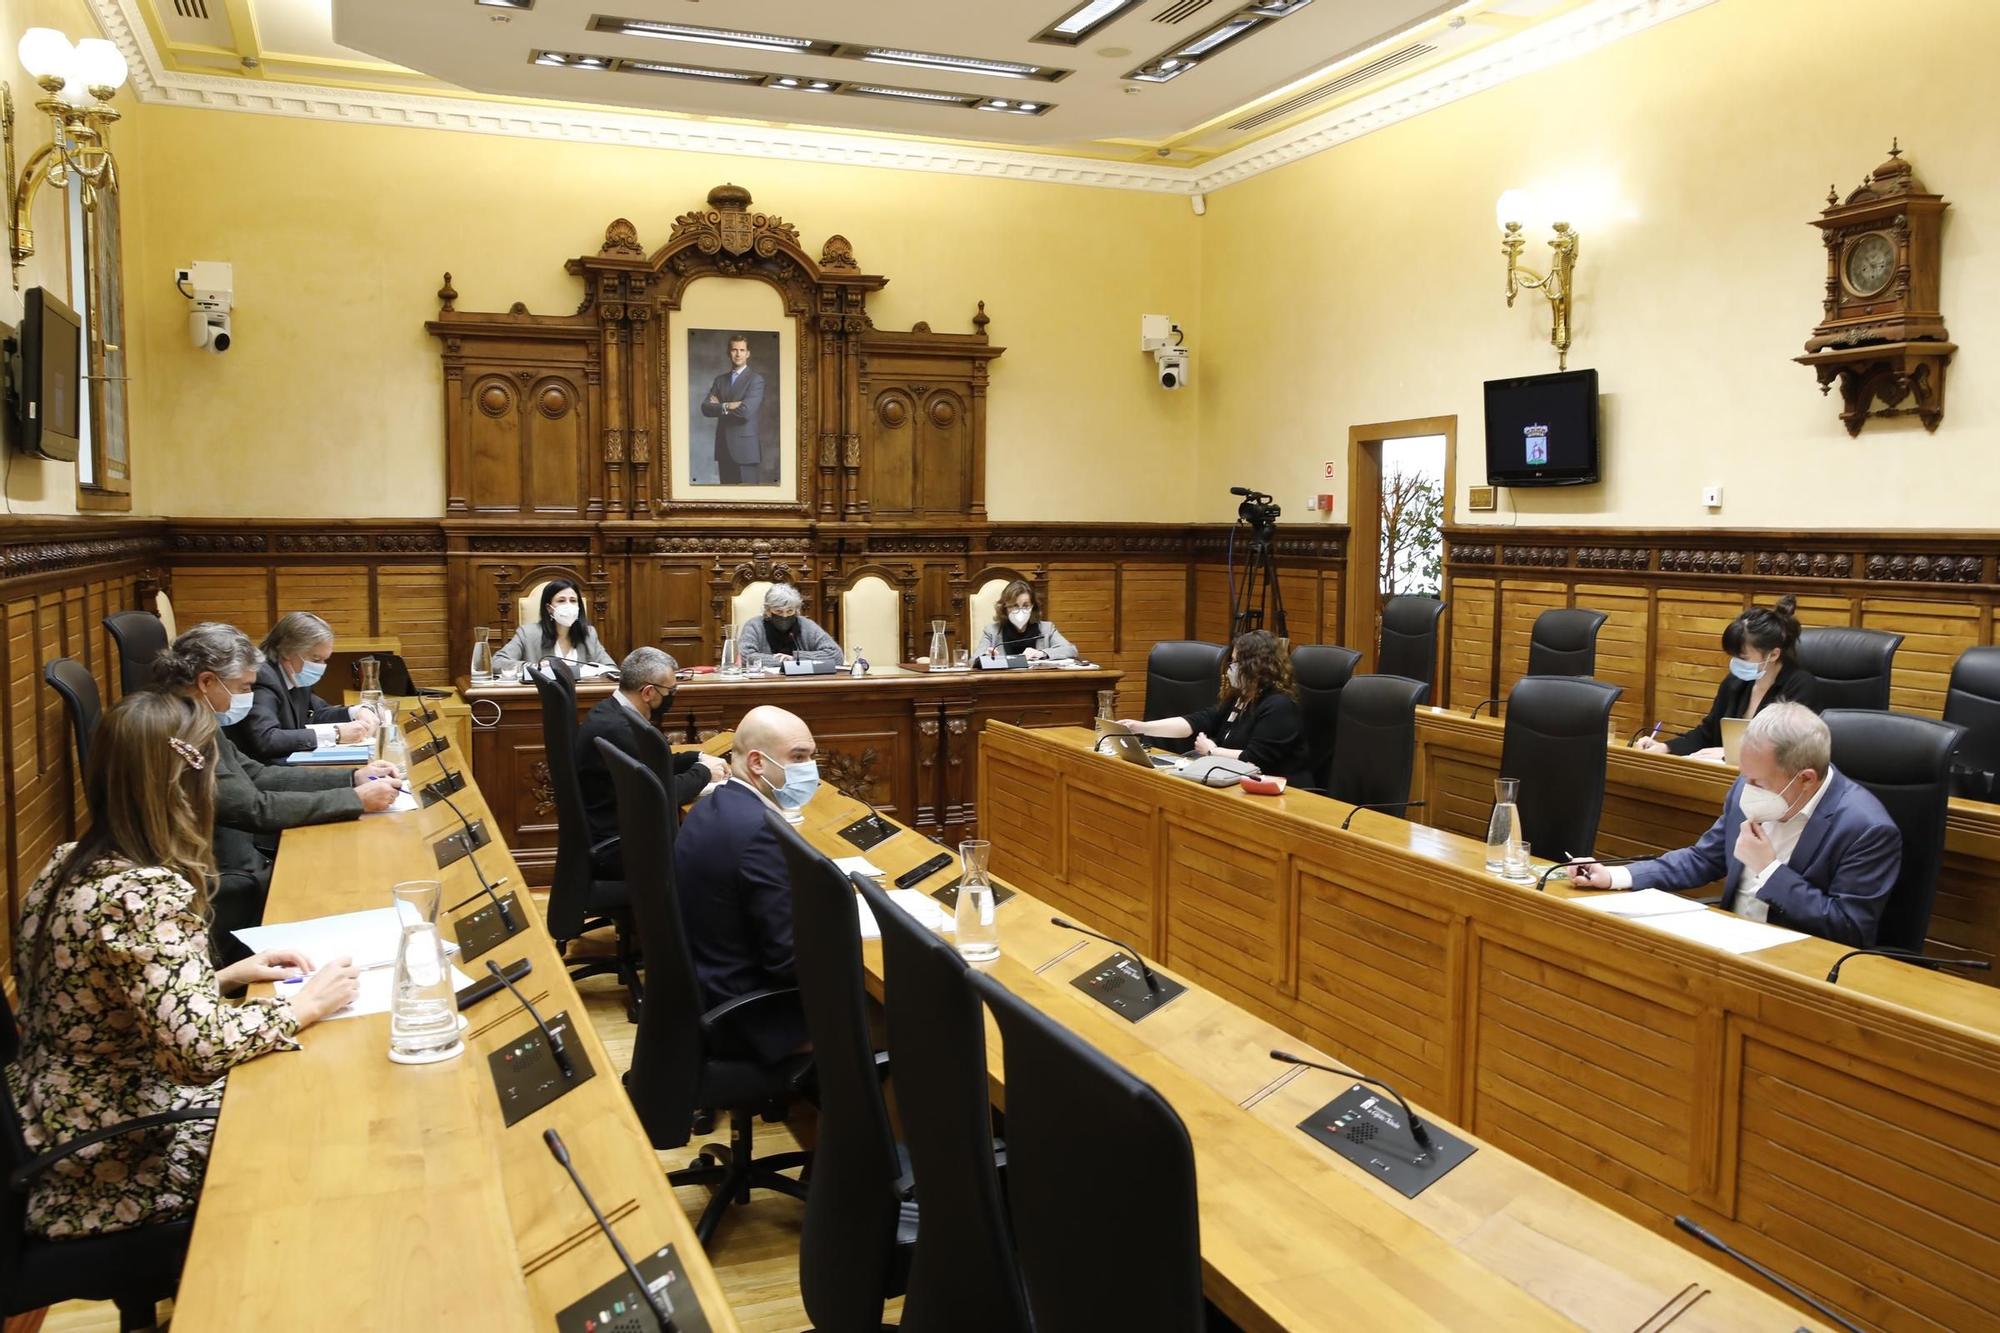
(463, 843)
(1367, 1129)
(450, 784)
(867, 831)
(627, 1306)
(479, 931)
(526, 1074)
(1119, 985)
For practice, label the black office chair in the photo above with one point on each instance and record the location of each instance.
(682, 1057)
(579, 902)
(1410, 638)
(78, 688)
(135, 1269)
(1377, 753)
(140, 637)
(1100, 1181)
(1973, 702)
(1564, 642)
(856, 1247)
(1319, 673)
(964, 1277)
(1905, 761)
(1182, 676)
(1555, 743)
(1850, 667)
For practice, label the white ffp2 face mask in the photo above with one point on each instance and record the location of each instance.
(1018, 617)
(1764, 806)
(565, 613)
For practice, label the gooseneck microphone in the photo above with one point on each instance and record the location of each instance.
(1909, 956)
(556, 1047)
(466, 839)
(1152, 982)
(1709, 1238)
(1380, 805)
(663, 1305)
(1571, 862)
(1417, 1130)
(1496, 701)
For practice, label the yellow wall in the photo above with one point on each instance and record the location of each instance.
(330, 403)
(1365, 284)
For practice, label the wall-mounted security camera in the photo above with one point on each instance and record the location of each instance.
(1172, 363)
(1162, 337)
(211, 286)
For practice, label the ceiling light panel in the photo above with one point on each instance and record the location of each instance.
(808, 46)
(505, 4)
(1251, 18)
(794, 83)
(1075, 27)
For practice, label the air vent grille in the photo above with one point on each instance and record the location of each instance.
(1351, 79)
(1181, 11)
(191, 9)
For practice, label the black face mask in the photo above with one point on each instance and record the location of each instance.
(783, 624)
(658, 712)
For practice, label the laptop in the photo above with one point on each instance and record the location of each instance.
(1732, 738)
(1124, 743)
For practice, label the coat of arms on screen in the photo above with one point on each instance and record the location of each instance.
(1536, 438)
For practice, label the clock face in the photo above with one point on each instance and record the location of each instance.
(1870, 263)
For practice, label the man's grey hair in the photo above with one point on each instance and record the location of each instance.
(1796, 736)
(783, 597)
(296, 632)
(209, 646)
(643, 667)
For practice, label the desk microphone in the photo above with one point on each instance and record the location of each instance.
(1481, 704)
(1910, 956)
(1707, 1237)
(1571, 862)
(1380, 805)
(1417, 1130)
(487, 890)
(663, 1305)
(1152, 982)
(469, 839)
(556, 1048)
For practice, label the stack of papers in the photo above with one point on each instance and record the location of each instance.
(378, 987)
(859, 865)
(927, 911)
(360, 752)
(1641, 903)
(369, 938)
(1674, 915)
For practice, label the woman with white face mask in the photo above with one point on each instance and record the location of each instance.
(286, 716)
(563, 630)
(1018, 630)
(1762, 644)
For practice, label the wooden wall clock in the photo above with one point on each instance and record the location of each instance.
(1882, 337)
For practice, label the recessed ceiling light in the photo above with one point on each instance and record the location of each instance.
(505, 4)
(1072, 28)
(1249, 18)
(688, 71)
(910, 94)
(1220, 34)
(689, 32)
(1005, 69)
(569, 60)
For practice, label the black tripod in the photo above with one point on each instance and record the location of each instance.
(1259, 592)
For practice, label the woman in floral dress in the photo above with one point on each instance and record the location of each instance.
(122, 1011)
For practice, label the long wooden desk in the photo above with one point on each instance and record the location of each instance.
(905, 740)
(1654, 802)
(345, 1192)
(1848, 1136)
(1293, 1237)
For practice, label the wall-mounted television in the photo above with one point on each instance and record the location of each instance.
(1541, 430)
(46, 365)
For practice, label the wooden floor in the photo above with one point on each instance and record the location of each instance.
(756, 1249)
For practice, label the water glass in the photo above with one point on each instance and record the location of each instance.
(978, 936)
(1520, 865)
(962, 659)
(423, 1012)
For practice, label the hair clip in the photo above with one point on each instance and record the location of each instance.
(187, 752)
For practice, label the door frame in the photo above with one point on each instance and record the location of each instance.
(1364, 525)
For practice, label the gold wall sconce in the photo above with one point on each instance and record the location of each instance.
(78, 82)
(1557, 284)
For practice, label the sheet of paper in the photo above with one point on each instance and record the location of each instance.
(378, 987)
(359, 753)
(369, 938)
(918, 904)
(858, 865)
(1641, 902)
(1723, 930)
(405, 802)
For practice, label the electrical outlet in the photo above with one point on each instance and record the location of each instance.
(1312, 502)
(1711, 496)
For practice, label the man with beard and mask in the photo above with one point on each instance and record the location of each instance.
(630, 717)
(781, 634)
(1798, 844)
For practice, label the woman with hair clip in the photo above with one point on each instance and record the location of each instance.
(1256, 719)
(285, 715)
(122, 1014)
(1018, 630)
(1762, 644)
(563, 631)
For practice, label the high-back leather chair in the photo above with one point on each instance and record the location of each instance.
(1410, 638)
(1182, 676)
(1973, 702)
(965, 1276)
(1081, 1127)
(1377, 752)
(1905, 761)
(1564, 642)
(682, 1056)
(1555, 743)
(1850, 667)
(140, 636)
(1320, 671)
(528, 606)
(78, 688)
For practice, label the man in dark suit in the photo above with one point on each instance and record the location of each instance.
(1798, 845)
(736, 897)
(735, 399)
(629, 717)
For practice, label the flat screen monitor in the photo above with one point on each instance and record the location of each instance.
(49, 378)
(1541, 430)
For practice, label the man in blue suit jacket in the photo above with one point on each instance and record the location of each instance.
(735, 399)
(1798, 844)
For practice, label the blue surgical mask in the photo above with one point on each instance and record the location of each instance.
(1743, 670)
(239, 708)
(310, 673)
(801, 781)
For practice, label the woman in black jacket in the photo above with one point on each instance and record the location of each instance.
(285, 715)
(1762, 644)
(1256, 719)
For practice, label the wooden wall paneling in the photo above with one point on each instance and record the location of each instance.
(1966, 914)
(1687, 653)
(1521, 601)
(1152, 608)
(1211, 602)
(1305, 610)
(1083, 602)
(922, 414)
(1333, 610)
(1622, 649)
(239, 596)
(1227, 912)
(411, 603)
(1473, 638)
(338, 594)
(1935, 633)
(520, 391)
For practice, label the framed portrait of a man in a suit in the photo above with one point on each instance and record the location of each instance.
(735, 404)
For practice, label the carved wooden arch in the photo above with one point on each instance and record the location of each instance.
(903, 578)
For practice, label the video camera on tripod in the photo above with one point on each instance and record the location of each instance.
(1259, 593)
(1258, 509)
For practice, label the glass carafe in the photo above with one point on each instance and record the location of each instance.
(423, 1012)
(978, 937)
(732, 656)
(482, 656)
(393, 746)
(1504, 829)
(1107, 705)
(371, 688)
(940, 645)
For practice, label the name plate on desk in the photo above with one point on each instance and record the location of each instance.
(867, 831)
(1368, 1130)
(430, 750)
(618, 1307)
(481, 930)
(994, 662)
(810, 668)
(525, 1072)
(454, 846)
(1119, 985)
(433, 792)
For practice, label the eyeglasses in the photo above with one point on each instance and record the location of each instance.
(188, 752)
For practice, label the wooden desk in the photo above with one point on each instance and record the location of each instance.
(906, 740)
(1655, 802)
(1295, 1238)
(1848, 1136)
(349, 1193)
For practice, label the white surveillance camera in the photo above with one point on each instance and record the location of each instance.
(1172, 364)
(211, 286)
(210, 329)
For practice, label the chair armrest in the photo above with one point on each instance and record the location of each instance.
(729, 1010)
(598, 849)
(34, 1166)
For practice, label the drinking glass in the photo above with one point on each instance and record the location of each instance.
(1520, 865)
(978, 937)
(962, 660)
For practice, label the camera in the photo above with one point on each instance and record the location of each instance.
(210, 329)
(1162, 337)
(1172, 363)
(1258, 509)
(211, 286)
